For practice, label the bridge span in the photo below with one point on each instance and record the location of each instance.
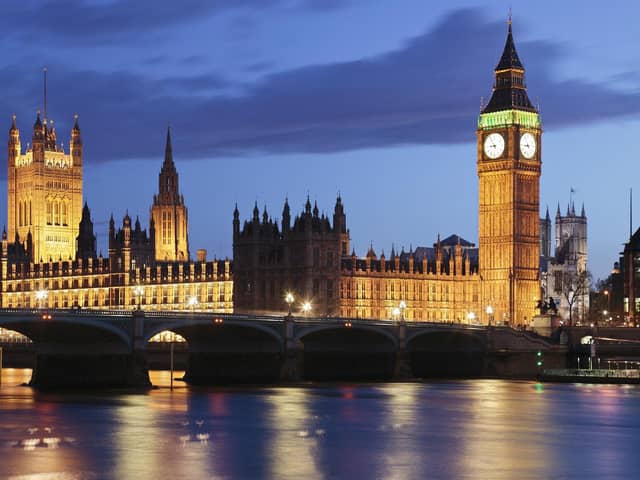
(109, 348)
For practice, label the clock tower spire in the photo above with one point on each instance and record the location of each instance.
(509, 167)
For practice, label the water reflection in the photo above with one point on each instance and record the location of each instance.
(466, 429)
(293, 449)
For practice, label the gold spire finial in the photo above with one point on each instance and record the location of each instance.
(509, 18)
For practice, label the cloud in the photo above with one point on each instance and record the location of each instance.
(426, 92)
(102, 22)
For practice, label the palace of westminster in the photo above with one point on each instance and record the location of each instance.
(49, 260)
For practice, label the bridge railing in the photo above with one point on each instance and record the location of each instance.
(208, 315)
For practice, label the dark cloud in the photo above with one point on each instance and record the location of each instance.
(427, 92)
(73, 20)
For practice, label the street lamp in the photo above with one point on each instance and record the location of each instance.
(489, 314)
(395, 313)
(138, 291)
(192, 302)
(470, 317)
(41, 295)
(289, 299)
(306, 308)
(402, 307)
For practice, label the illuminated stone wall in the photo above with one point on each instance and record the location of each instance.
(91, 285)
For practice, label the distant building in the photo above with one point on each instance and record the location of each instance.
(630, 275)
(560, 270)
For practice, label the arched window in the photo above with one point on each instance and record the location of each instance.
(49, 212)
(30, 218)
(19, 214)
(65, 209)
(56, 212)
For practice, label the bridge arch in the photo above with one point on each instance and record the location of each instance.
(346, 352)
(66, 329)
(183, 327)
(306, 332)
(452, 353)
(473, 336)
(221, 350)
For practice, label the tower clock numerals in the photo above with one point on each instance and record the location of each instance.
(493, 145)
(527, 145)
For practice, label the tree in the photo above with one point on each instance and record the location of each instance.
(575, 285)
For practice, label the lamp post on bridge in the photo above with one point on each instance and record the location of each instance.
(289, 298)
(306, 308)
(489, 314)
(138, 291)
(402, 306)
(192, 302)
(41, 296)
(471, 316)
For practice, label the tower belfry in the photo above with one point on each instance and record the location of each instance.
(168, 212)
(45, 189)
(509, 166)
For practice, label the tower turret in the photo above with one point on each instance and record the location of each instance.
(340, 226)
(86, 240)
(37, 139)
(236, 221)
(286, 217)
(14, 148)
(76, 143)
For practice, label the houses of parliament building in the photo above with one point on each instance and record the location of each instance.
(50, 246)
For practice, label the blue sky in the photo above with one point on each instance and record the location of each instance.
(377, 100)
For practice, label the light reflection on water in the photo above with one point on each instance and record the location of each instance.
(465, 429)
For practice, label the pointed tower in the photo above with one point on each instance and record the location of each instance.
(286, 217)
(509, 166)
(545, 236)
(169, 214)
(86, 241)
(45, 190)
(340, 227)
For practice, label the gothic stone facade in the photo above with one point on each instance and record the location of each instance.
(561, 270)
(45, 201)
(310, 259)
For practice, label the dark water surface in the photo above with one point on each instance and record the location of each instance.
(486, 429)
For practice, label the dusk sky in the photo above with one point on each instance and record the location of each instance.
(377, 100)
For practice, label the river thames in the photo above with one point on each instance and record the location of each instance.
(452, 429)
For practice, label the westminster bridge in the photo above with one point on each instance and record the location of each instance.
(110, 348)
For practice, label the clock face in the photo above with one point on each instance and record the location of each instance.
(493, 145)
(527, 145)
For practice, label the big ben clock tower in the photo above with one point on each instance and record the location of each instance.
(509, 164)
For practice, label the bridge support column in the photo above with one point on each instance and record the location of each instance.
(139, 370)
(402, 369)
(293, 358)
